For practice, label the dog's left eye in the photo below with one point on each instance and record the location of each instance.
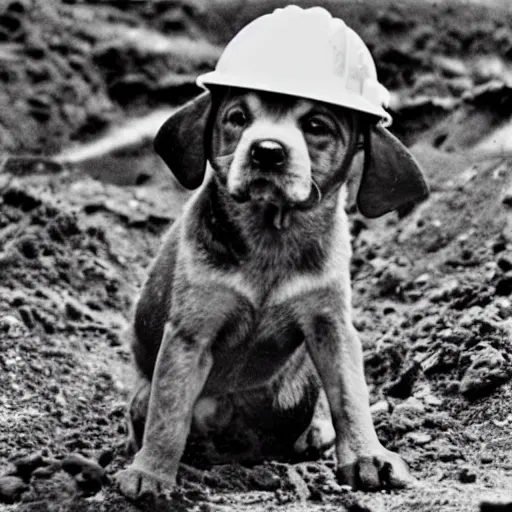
(315, 125)
(236, 117)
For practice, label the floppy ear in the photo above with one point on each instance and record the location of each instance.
(181, 141)
(391, 177)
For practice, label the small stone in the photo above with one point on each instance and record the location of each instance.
(450, 66)
(452, 387)
(449, 453)
(467, 476)
(419, 438)
(496, 506)
(27, 316)
(11, 488)
(499, 245)
(88, 474)
(391, 20)
(505, 262)
(411, 404)
(403, 385)
(44, 472)
(460, 84)
(73, 311)
(392, 278)
(265, 480)
(12, 326)
(504, 286)
(501, 423)
(507, 197)
(106, 457)
(486, 458)
(60, 399)
(487, 68)
(444, 292)
(26, 465)
(488, 369)
(504, 307)
(379, 407)
(422, 279)
(432, 400)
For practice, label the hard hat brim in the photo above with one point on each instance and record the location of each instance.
(327, 91)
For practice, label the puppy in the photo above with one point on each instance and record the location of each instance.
(250, 292)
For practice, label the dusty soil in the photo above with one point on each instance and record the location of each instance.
(83, 203)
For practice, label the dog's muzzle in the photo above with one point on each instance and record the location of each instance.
(272, 198)
(262, 190)
(267, 155)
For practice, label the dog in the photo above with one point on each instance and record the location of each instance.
(250, 292)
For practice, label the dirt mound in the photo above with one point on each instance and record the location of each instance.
(59, 275)
(77, 69)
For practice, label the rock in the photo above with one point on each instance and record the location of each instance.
(392, 277)
(488, 369)
(460, 84)
(427, 84)
(446, 291)
(407, 416)
(452, 387)
(391, 20)
(505, 261)
(504, 307)
(11, 488)
(380, 407)
(507, 198)
(418, 438)
(89, 475)
(422, 279)
(449, 452)
(45, 472)
(26, 465)
(450, 66)
(410, 405)
(106, 457)
(499, 245)
(504, 286)
(487, 68)
(298, 488)
(486, 458)
(467, 476)
(12, 326)
(265, 480)
(496, 506)
(402, 386)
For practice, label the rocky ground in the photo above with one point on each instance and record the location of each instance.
(83, 202)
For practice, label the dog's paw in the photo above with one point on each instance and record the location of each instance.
(316, 439)
(136, 484)
(380, 470)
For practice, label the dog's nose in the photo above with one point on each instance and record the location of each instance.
(267, 155)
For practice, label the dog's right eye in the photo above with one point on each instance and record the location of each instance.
(236, 117)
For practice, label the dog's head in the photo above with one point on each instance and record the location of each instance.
(268, 147)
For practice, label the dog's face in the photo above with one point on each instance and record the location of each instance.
(274, 148)
(268, 147)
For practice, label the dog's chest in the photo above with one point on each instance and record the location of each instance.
(252, 355)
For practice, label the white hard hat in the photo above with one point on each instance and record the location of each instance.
(306, 53)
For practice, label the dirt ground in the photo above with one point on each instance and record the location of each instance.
(84, 201)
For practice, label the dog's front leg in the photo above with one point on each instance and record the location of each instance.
(337, 353)
(181, 370)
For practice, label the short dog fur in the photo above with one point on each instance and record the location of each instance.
(251, 287)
